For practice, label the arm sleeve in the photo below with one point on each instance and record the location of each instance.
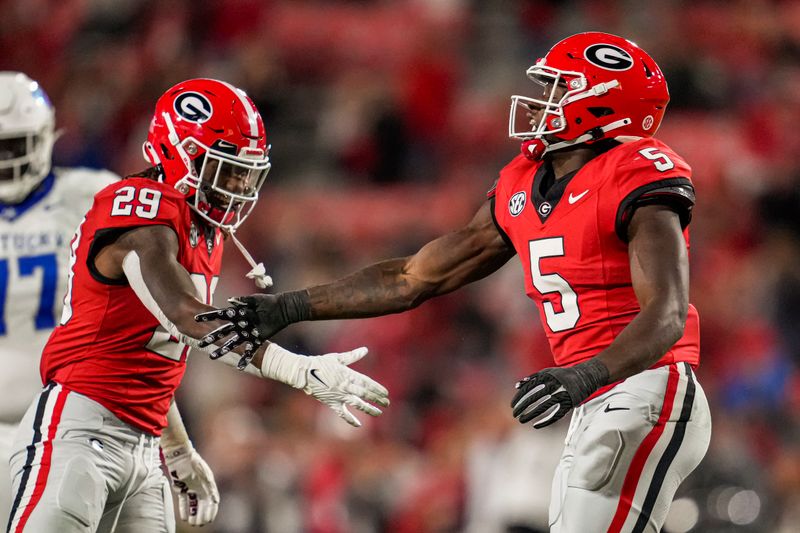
(133, 271)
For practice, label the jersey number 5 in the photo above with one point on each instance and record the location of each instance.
(553, 283)
(660, 160)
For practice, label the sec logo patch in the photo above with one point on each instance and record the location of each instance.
(517, 203)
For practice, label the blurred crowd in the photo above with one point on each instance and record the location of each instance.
(388, 122)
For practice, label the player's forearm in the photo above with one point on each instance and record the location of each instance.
(182, 312)
(645, 340)
(169, 294)
(439, 267)
(174, 434)
(379, 289)
(660, 276)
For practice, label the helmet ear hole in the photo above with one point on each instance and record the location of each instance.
(165, 152)
(600, 111)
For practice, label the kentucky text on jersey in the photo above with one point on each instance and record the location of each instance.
(31, 243)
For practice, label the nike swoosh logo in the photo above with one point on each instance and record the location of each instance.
(608, 409)
(313, 372)
(573, 199)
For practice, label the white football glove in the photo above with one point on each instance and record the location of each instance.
(328, 379)
(193, 482)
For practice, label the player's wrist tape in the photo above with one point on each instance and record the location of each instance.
(193, 343)
(284, 366)
(277, 363)
(295, 306)
(585, 379)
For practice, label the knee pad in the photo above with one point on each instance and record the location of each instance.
(610, 439)
(598, 459)
(82, 492)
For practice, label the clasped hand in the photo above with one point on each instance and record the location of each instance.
(251, 320)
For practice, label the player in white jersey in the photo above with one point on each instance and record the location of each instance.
(40, 209)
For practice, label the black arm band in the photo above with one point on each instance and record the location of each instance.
(589, 376)
(674, 193)
(295, 306)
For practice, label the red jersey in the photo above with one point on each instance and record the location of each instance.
(572, 241)
(108, 346)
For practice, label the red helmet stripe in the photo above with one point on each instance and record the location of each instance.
(252, 114)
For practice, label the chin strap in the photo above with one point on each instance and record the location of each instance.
(259, 272)
(534, 149)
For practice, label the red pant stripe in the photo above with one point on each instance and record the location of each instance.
(640, 458)
(47, 455)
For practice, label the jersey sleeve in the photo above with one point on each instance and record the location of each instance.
(129, 204)
(500, 230)
(492, 192)
(495, 192)
(651, 173)
(137, 202)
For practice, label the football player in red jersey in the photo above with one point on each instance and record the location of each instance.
(144, 261)
(597, 211)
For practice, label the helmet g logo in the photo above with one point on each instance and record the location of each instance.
(193, 107)
(609, 57)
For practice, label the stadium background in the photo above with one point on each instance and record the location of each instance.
(388, 122)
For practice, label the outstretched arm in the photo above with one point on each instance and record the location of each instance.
(441, 266)
(146, 256)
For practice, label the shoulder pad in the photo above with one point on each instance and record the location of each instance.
(139, 202)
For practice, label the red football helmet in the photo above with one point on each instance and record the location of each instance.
(596, 86)
(209, 139)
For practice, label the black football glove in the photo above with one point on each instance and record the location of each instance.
(254, 319)
(240, 328)
(551, 393)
